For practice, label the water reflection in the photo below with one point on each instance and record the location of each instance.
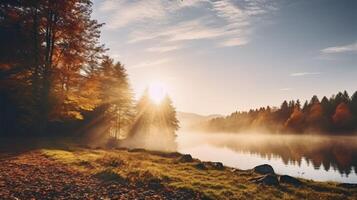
(313, 157)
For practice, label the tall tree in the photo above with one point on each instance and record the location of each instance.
(167, 123)
(342, 117)
(53, 47)
(116, 95)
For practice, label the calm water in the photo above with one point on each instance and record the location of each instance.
(322, 158)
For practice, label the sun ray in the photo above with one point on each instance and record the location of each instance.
(157, 92)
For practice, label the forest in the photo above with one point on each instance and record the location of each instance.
(73, 127)
(334, 115)
(56, 78)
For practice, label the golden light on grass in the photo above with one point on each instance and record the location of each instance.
(157, 92)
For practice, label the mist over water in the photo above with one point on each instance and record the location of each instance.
(317, 157)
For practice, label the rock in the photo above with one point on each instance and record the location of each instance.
(348, 185)
(167, 154)
(155, 184)
(269, 179)
(217, 165)
(264, 169)
(289, 180)
(201, 166)
(137, 150)
(186, 158)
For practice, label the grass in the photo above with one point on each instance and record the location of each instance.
(156, 168)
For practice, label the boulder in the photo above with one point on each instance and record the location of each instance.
(264, 169)
(137, 150)
(269, 179)
(201, 166)
(186, 158)
(289, 180)
(217, 165)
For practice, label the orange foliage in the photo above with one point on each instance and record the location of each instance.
(296, 118)
(316, 113)
(342, 114)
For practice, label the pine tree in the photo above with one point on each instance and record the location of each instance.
(116, 96)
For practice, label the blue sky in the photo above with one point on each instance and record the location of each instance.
(223, 56)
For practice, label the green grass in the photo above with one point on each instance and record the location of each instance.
(144, 167)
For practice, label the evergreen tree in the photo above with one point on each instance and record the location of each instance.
(305, 106)
(314, 100)
(116, 96)
(354, 104)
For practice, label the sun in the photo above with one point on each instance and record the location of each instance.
(157, 92)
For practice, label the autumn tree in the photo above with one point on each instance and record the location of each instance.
(336, 114)
(296, 120)
(343, 116)
(53, 47)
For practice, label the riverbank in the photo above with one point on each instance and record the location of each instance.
(85, 173)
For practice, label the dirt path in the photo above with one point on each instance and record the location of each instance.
(33, 176)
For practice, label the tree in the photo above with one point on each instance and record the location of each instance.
(167, 115)
(314, 115)
(298, 104)
(295, 121)
(143, 120)
(53, 49)
(305, 106)
(314, 100)
(154, 126)
(342, 117)
(354, 104)
(284, 111)
(316, 118)
(116, 96)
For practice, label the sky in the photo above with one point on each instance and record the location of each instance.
(217, 57)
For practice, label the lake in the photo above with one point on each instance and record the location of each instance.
(321, 158)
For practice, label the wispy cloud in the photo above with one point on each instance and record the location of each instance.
(130, 12)
(187, 30)
(304, 73)
(234, 42)
(239, 17)
(163, 49)
(109, 5)
(341, 49)
(158, 19)
(153, 63)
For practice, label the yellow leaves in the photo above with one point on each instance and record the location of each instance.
(75, 115)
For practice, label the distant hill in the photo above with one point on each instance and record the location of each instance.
(187, 120)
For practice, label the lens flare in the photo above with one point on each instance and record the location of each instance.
(157, 92)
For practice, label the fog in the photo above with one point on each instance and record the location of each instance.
(336, 155)
(157, 139)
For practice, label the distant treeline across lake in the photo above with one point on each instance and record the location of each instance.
(334, 115)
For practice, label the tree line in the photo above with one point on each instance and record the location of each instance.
(337, 114)
(56, 77)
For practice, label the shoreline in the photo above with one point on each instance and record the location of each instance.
(162, 174)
